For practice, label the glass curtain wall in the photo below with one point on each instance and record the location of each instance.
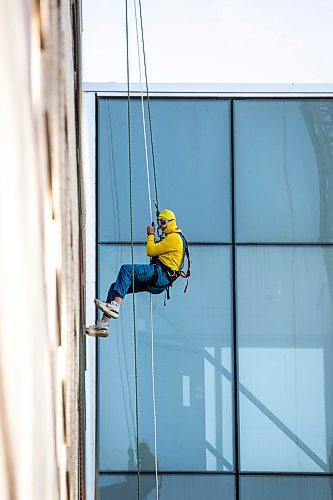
(251, 184)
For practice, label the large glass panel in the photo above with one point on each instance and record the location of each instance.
(193, 370)
(285, 333)
(286, 488)
(192, 152)
(171, 487)
(284, 170)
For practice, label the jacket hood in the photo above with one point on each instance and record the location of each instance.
(167, 214)
(172, 228)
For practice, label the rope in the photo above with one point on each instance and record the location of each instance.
(149, 112)
(143, 115)
(151, 218)
(131, 228)
(132, 251)
(153, 393)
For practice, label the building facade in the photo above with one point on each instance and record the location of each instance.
(41, 252)
(243, 360)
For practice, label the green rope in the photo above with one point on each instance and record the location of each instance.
(149, 112)
(132, 251)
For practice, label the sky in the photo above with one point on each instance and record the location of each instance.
(211, 41)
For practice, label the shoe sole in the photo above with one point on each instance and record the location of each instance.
(97, 334)
(105, 310)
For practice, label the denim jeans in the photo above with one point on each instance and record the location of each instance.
(142, 274)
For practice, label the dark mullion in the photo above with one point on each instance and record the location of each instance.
(284, 244)
(196, 97)
(173, 472)
(142, 243)
(96, 292)
(215, 473)
(287, 474)
(221, 244)
(234, 313)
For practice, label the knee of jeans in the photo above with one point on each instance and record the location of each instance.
(126, 268)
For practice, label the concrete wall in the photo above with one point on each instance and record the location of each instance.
(40, 251)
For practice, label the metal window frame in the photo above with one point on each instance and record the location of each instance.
(230, 93)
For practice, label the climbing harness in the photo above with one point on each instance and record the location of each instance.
(170, 273)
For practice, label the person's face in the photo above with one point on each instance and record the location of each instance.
(163, 224)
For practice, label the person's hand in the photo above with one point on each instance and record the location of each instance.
(151, 228)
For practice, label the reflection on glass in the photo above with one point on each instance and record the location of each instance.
(193, 372)
(285, 488)
(192, 152)
(175, 487)
(284, 171)
(285, 334)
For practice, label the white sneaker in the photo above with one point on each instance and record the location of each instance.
(97, 331)
(111, 310)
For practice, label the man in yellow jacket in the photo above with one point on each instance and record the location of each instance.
(167, 258)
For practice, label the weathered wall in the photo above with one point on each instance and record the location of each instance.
(40, 250)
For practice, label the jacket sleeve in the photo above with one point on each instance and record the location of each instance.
(168, 244)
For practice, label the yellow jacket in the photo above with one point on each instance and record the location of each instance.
(170, 250)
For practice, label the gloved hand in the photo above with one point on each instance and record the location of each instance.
(151, 228)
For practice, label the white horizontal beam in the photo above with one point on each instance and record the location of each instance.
(324, 90)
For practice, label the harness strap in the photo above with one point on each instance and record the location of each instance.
(187, 253)
(153, 280)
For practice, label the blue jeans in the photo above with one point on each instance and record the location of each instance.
(142, 274)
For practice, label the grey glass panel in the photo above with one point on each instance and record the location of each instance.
(286, 488)
(284, 171)
(171, 487)
(285, 333)
(192, 370)
(116, 397)
(191, 141)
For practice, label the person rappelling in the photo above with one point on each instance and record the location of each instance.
(166, 263)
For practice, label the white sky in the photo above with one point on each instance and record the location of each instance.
(212, 41)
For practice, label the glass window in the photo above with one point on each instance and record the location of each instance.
(177, 487)
(192, 152)
(284, 170)
(193, 371)
(285, 488)
(284, 313)
(283, 194)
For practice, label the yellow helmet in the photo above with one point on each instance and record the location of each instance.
(167, 214)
